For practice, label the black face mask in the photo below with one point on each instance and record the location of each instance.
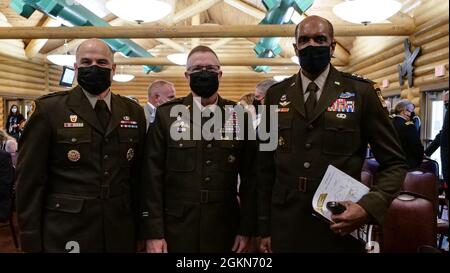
(412, 115)
(204, 83)
(314, 59)
(94, 79)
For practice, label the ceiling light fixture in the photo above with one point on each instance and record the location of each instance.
(121, 77)
(366, 11)
(279, 78)
(139, 10)
(62, 59)
(178, 58)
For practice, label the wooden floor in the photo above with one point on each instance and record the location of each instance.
(6, 240)
(7, 243)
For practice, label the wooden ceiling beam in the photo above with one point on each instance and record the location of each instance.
(246, 8)
(225, 61)
(172, 44)
(35, 45)
(201, 31)
(195, 21)
(221, 42)
(188, 12)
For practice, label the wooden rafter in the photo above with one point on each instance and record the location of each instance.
(201, 31)
(35, 45)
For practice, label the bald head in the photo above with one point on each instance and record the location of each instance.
(94, 48)
(313, 36)
(160, 91)
(314, 21)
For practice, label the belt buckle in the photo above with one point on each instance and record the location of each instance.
(302, 184)
(204, 196)
(104, 191)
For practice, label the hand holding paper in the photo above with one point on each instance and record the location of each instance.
(340, 187)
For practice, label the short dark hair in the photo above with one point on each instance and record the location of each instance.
(202, 48)
(330, 26)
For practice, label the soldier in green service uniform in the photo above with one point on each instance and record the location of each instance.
(189, 190)
(325, 117)
(79, 162)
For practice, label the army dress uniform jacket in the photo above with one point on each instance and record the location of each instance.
(348, 116)
(76, 181)
(189, 188)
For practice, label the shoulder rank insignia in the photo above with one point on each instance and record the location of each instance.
(32, 108)
(380, 97)
(357, 77)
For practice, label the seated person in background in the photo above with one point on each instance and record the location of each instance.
(407, 132)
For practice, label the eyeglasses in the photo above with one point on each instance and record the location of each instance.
(198, 68)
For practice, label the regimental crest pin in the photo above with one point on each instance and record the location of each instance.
(73, 155)
(73, 118)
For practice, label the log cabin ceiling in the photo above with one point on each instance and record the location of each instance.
(352, 50)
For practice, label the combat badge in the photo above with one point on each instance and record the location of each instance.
(283, 101)
(346, 95)
(73, 155)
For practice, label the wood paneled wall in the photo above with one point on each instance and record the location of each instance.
(231, 87)
(2, 119)
(21, 79)
(432, 36)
